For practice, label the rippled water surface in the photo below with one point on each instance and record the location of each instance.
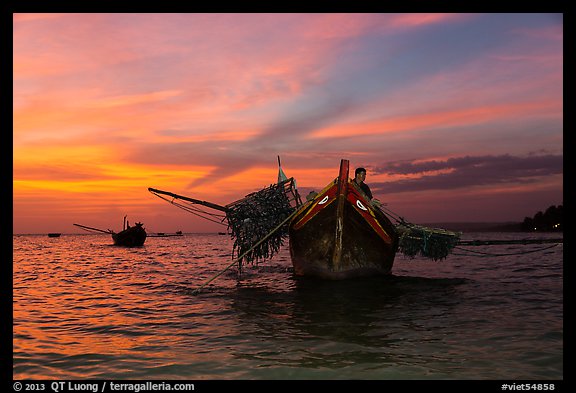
(86, 309)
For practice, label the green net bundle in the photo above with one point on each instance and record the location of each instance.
(253, 218)
(428, 242)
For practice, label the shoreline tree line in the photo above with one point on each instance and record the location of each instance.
(549, 221)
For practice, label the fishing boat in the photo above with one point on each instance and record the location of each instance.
(340, 235)
(130, 236)
(337, 234)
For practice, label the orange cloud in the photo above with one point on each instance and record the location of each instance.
(133, 99)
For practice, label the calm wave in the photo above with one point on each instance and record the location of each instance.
(86, 309)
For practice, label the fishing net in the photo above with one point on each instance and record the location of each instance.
(431, 243)
(255, 216)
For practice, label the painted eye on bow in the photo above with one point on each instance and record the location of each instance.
(324, 200)
(360, 205)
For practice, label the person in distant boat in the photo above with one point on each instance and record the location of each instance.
(359, 177)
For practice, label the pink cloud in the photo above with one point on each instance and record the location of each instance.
(424, 19)
(449, 118)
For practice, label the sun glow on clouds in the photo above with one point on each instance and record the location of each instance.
(107, 105)
(419, 122)
(133, 99)
(412, 20)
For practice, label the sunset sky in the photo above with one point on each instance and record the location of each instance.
(457, 117)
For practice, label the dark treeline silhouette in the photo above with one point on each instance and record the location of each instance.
(549, 221)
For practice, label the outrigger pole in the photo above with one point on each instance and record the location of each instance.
(192, 200)
(94, 229)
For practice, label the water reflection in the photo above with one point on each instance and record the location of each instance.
(340, 323)
(85, 309)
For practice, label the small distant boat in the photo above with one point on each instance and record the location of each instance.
(54, 235)
(130, 236)
(162, 234)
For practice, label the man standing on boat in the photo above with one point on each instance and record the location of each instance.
(359, 177)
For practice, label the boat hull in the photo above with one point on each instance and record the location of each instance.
(340, 235)
(132, 237)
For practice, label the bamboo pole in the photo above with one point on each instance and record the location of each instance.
(237, 260)
(185, 198)
(93, 229)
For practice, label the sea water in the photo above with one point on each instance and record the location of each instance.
(85, 309)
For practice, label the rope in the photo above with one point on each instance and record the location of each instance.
(399, 219)
(196, 211)
(237, 260)
(501, 255)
